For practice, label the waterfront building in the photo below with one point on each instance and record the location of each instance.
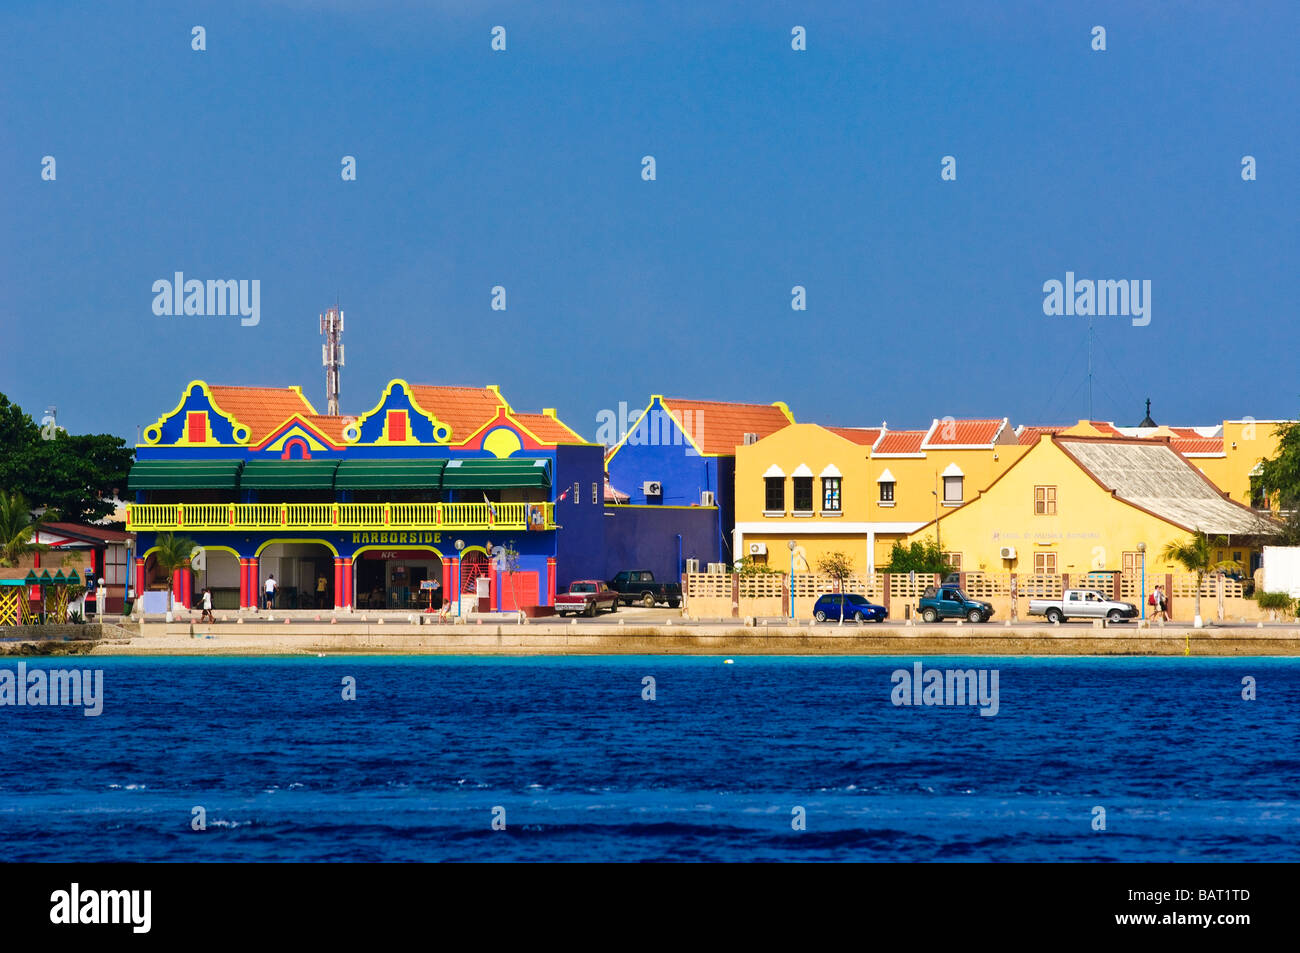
(432, 483)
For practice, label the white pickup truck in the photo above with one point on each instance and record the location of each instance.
(1083, 604)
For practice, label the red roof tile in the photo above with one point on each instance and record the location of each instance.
(1198, 445)
(463, 409)
(719, 426)
(1030, 435)
(260, 409)
(900, 441)
(865, 436)
(1106, 427)
(970, 432)
(549, 429)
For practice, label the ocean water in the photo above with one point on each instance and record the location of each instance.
(716, 767)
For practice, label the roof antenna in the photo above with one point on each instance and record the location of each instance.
(331, 325)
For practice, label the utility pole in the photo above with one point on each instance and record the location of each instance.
(1090, 367)
(331, 325)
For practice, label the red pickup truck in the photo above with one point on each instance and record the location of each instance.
(586, 596)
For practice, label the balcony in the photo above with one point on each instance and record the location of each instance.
(325, 517)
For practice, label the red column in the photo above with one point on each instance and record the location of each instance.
(178, 591)
(348, 562)
(550, 580)
(446, 581)
(187, 588)
(243, 581)
(338, 582)
(455, 580)
(254, 593)
(139, 579)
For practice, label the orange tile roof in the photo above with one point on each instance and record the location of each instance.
(969, 432)
(901, 441)
(865, 436)
(549, 429)
(1198, 445)
(720, 427)
(330, 425)
(1030, 435)
(464, 409)
(1106, 427)
(261, 409)
(1189, 432)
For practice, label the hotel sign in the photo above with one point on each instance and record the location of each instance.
(395, 538)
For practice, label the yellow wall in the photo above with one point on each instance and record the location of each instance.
(1091, 529)
(1245, 444)
(812, 446)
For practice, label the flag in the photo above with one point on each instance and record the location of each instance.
(492, 510)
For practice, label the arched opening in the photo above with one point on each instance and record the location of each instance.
(303, 571)
(221, 576)
(474, 565)
(399, 578)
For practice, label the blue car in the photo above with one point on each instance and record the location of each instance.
(848, 606)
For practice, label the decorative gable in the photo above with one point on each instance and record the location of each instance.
(397, 420)
(196, 421)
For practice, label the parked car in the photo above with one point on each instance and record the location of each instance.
(949, 602)
(1083, 604)
(586, 596)
(848, 606)
(638, 585)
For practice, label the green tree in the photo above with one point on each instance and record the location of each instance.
(74, 476)
(749, 566)
(172, 553)
(836, 565)
(1196, 555)
(922, 556)
(17, 529)
(1280, 476)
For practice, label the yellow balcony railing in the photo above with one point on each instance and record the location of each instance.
(325, 517)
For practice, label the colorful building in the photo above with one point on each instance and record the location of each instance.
(682, 454)
(1076, 504)
(432, 484)
(859, 490)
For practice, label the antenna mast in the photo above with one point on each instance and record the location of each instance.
(331, 325)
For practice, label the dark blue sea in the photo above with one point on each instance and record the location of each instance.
(578, 766)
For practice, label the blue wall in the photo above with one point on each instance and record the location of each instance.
(645, 537)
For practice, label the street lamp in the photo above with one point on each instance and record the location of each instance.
(1142, 549)
(791, 545)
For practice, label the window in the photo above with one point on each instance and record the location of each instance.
(1258, 495)
(1044, 501)
(1236, 556)
(831, 494)
(577, 493)
(595, 493)
(1045, 564)
(952, 489)
(803, 494)
(774, 497)
(886, 491)
(1131, 563)
(954, 561)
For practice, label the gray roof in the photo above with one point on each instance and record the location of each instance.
(1154, 477)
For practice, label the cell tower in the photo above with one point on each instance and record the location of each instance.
(331, 356)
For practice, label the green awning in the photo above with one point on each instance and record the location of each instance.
(389, 474)
(288, 475)
(184, 475)
(496, 474)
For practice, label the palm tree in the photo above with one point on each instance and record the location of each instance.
(1196, 555)
(17, 529)
(172, 553)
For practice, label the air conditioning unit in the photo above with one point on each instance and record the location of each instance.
(652, 488)
(750, 438)
(707, 498)
(758, 549)
(717, 567)
(692, 565)
(1007, 552)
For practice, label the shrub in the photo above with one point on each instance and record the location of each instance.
(1277, 601)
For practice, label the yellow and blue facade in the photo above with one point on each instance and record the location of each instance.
(432, 484)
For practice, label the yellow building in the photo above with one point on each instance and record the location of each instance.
(1075, 504)
(859, 490)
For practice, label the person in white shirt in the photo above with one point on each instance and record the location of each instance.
(207, 607)
(271, 586)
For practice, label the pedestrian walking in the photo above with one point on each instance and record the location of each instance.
(207, 607)
(271, 586)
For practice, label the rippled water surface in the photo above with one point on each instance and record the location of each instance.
(712, 769)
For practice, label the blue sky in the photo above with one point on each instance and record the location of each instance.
(775, 168)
